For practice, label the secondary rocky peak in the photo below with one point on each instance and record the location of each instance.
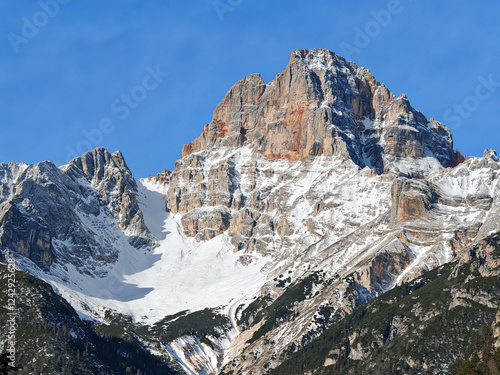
(99, 164)
(110, 176)
(491, 153)
(320, 104)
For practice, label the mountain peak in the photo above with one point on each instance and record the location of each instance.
(316, 54)
(99, 163)
(322, 105)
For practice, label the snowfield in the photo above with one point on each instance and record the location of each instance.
(178, 275)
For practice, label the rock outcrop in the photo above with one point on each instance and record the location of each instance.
(411, 200)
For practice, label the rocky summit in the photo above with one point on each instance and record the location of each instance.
(304, 203)
(322, 105)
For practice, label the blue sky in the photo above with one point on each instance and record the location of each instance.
(145, 76)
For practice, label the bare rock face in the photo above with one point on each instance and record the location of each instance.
(205, 225)
(379, 273)
(411, 200)
(322, 105)
(33, 241)
(31, 210)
